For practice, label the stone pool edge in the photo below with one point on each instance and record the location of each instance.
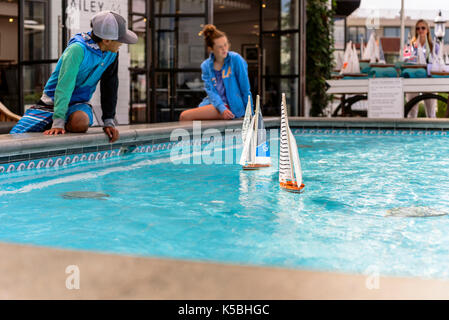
(34, 150)
(31, 272)
(33, 142)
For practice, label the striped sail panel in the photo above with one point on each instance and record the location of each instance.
(246, 156)
(247, 120)
(295, 158)
(262, 147)
(285, 169)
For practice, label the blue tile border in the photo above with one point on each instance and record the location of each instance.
(90, 154)
(372, 132)
(58, 161)
(64, 158)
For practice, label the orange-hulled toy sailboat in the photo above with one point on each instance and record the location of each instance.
(290, 174)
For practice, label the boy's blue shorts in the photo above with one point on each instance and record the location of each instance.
(39, 118)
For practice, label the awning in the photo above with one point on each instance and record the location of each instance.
(346, 7)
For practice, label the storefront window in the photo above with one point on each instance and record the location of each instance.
(281, 14)
(9, 55)
(339, 33)
(289, 14)
(165, 37)
(137, 51)
(280, 52)
(138, 97)
(355, 34)
(289, 54)
(35, 77)
(191, 49)
(138, 6)
(35, 37)
(396, 32)
(190, 89)
(163, 85)
(179, 6)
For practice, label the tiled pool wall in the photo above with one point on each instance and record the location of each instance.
(65, 157)
(365, 131)
(62, 157)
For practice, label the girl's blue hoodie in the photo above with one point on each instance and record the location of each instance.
(236, 82)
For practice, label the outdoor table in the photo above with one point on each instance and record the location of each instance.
(411, 85)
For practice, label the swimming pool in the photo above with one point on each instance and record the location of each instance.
(220, 213)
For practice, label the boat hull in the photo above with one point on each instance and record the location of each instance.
(255, 166)
(292, 187)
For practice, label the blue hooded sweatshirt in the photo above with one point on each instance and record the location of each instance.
(235, 80)
(91, 69)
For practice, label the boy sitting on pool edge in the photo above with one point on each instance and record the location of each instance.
(89, 58)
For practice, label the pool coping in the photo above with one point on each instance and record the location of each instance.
(29, 143)
(32, 151)
(31, 272)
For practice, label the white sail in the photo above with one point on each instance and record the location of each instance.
(256, 151)
(262, 147)
(247, 145)
(254, 127)
(295, 158)
(285, 167)
(355, 61)
(362, 47)
(289, 163)
(247, 119)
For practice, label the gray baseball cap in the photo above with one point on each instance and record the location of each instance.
(109, 25)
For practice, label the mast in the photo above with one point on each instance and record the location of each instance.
(254, 138)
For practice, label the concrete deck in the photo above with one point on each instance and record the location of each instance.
(29, 272)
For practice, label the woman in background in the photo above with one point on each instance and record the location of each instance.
(225, 76)
(423, 40)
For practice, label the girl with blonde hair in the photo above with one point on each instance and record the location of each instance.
(423, 41)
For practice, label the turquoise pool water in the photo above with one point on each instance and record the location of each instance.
(220, 213)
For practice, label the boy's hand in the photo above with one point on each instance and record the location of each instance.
(54, 131)
(112, 133)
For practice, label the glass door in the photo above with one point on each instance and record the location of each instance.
(140, 55)
(41, 39)
(281, 55)
(178, 51)
(9, 55)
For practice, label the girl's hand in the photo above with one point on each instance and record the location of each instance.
(227, 114)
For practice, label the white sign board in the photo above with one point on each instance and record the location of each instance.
(385, 98)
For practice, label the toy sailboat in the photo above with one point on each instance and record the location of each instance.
(247, 120)
(256, 151)
(290, 174)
